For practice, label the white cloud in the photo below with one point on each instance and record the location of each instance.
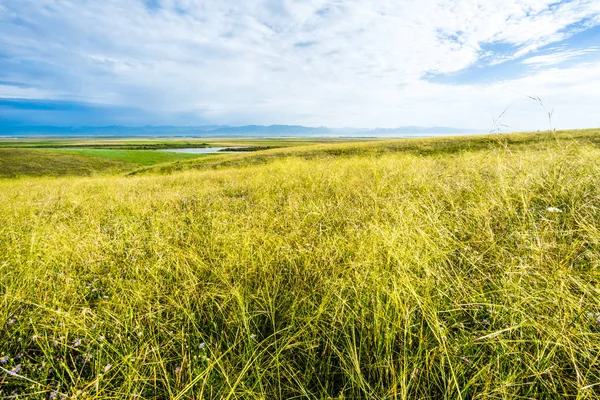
(559, 57)
(313, 62)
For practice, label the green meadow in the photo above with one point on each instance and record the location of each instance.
(448, 268)
(34, 162)
(140, 157)
(28, 162)
(76, 157)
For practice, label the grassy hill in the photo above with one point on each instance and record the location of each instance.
(375, 147)
(28, 162)
(76, 157)
(135, 157)
(444, 268)
(24, 162)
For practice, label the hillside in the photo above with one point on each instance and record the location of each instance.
(26, 162)
(29, 162)
(424, 269)
(431, 147)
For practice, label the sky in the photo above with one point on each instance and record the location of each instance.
(335, 63)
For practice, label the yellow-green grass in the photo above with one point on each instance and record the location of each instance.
(17, 162)
(27, 162)
(139, 157)
(425, 147)
(354, 271)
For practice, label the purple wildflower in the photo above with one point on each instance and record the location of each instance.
(202, 345)
(15, 370)
(86, 358)
(12, 321)
(77, 343)
(4, 359)
(53, 395)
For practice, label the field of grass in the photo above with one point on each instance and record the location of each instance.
(373, 148)
(28, 162)
(463, 268)
(21, 157)
(21, 162)
(139, 157)
(156, 144)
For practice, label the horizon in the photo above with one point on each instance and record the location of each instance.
(320, 63)
(245, 131)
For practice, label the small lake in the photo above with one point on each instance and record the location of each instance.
(205, 150)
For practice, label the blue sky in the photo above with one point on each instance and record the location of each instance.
(361, 63)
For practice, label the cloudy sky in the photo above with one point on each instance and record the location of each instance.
(360, 63)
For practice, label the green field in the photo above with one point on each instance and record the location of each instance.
(73, 157)
(32, 162)
(451, 268)
(21, 162)
(156, 144)
(140, 157)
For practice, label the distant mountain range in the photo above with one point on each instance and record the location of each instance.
(227, 131)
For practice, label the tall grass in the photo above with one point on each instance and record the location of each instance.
(470, 275)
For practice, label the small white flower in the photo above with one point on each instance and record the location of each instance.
(553, 210)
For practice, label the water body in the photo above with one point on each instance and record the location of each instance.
(204, 150)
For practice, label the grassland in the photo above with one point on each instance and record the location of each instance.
(139, 157)
(463, 268)
(29, 162)
(21, 157)
(162, 143)
(26, 162)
